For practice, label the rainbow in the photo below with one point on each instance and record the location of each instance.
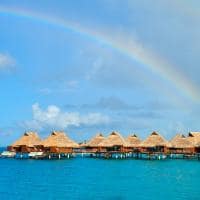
(126, 45)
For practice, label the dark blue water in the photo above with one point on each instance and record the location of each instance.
(87, 178)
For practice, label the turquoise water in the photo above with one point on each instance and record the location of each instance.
(88, 178)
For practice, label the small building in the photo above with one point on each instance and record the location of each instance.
(133, 143)
(154, 143)
(194, 137)
(181, 145)
(92, 145)
(113, 143)
(58, 142)
(29, 142)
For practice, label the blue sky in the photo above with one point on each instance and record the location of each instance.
(97, 66)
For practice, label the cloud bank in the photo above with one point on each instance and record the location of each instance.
(53, 117)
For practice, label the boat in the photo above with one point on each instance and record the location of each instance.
(35, 154)
(8, 154)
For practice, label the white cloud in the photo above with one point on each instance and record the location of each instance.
(55, 118)
(6, 62)
(72, 84)
(45, 91)
(66, 86)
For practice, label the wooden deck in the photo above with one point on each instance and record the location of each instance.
(110, 155)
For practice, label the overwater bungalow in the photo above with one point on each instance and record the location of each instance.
(181, 145)
(133, 143)
(58, 142)
(113, 143)
(194, 137)
(155, 143)
(29, 142)
(92, 145)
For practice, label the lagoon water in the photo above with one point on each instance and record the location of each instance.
(89, 178)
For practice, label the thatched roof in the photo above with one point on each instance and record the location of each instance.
(29, 139)
(180, 141)
(114, 139)
(133, 141)
(155, 139)
(59, 139)
(95, 141)
(194, 137)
